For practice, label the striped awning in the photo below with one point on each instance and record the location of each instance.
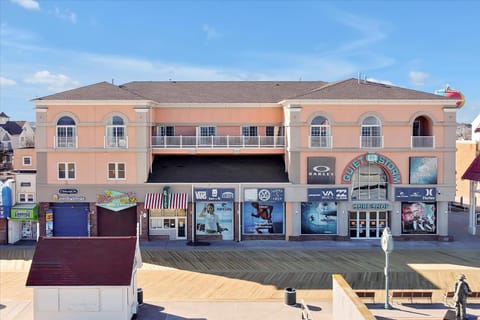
(175, 201)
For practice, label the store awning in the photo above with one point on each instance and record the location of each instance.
(473, 171)
(24, 211)
(175, 201)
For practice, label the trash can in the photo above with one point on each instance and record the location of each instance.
(290, 296)
(140, 296)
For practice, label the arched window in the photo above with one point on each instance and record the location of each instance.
(320, 135)
(371, 133)
(66, 133)
(422, 136)
(116, 133)
(369, 182)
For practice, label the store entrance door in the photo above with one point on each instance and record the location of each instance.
(367, 224)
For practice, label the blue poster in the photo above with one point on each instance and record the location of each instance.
(215, 218)
(319, 217)
(263, 217)
(423, 170)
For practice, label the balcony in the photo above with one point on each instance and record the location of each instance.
(65, 142)
(427, 142)
(371, 142)
(325, 142)
(217, 142)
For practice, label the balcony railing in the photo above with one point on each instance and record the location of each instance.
(321, 142)
(217, 142)
(65, 142)
(371, 141)
(116, 142)
(423, 142)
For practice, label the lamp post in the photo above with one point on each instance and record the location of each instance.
(387, 246)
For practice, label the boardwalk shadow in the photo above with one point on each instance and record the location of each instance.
(148, 311)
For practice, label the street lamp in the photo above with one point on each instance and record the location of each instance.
(387, 246)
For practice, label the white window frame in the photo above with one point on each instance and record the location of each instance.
(24, 162)
(67, 170)
(116, 171)
(26, 197)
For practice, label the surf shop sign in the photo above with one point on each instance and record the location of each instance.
(372, 158)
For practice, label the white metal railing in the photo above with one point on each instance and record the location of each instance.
(321, 141)
(219, 142)
(116, 142)
(423, 142)
(65, 142)
(371, 141)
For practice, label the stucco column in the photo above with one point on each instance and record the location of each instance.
(293, 141)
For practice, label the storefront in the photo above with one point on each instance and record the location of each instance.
(116, 213)
(214, 213)
(23, 223)
(319, 215)
(70, 219)
(263, 213)
(367, 220)
(167, 215)
(419, 210)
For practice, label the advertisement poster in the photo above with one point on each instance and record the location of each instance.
(423, 170)
(214, 218)
(49, 223)
(321, 170)
(419, 218)
(319, 217)
(263, 217)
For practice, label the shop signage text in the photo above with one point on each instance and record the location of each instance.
(368, 158)
(264, 194)
(327, 194)
(68, 191)
(367, 206)
(214, 194)
(415, 194)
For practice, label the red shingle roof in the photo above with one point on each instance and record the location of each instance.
(79, 261)
(473, 171)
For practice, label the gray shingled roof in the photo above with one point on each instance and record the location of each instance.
(365, 90)
(242, 91)
(221, 91)
(97, 91)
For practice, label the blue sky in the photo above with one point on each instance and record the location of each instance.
(51, 46)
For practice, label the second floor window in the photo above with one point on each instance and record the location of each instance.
(208, 131)
(27, 161)
(116, 136)
(320, 132)
(66, 132)
(166, 131)
(66, 171)
(249, 131)
(369, 182)
(371, 133)
(26, 197)
(116, 171)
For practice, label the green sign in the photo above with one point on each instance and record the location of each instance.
(24, 212)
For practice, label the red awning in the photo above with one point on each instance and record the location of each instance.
(176, 201)
(473, 171)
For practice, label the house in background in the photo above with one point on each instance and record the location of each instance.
(85, 278)
(23, 221)
(13, 135)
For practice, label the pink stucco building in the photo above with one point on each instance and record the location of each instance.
(245, 160)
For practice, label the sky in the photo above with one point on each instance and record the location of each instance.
(49, 46)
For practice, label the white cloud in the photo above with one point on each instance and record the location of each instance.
(210, 32)
(5, 82)
(418, 78)
(65, 14)
(27, 4)
(54, 82)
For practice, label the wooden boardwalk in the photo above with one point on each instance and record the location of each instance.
(263, 274)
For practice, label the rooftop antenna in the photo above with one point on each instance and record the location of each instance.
(359, 76)
(365, 78)
(113, 82)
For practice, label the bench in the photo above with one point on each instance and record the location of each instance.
(306, 314)
(412, 295)
(366, 295)
(449, 295)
